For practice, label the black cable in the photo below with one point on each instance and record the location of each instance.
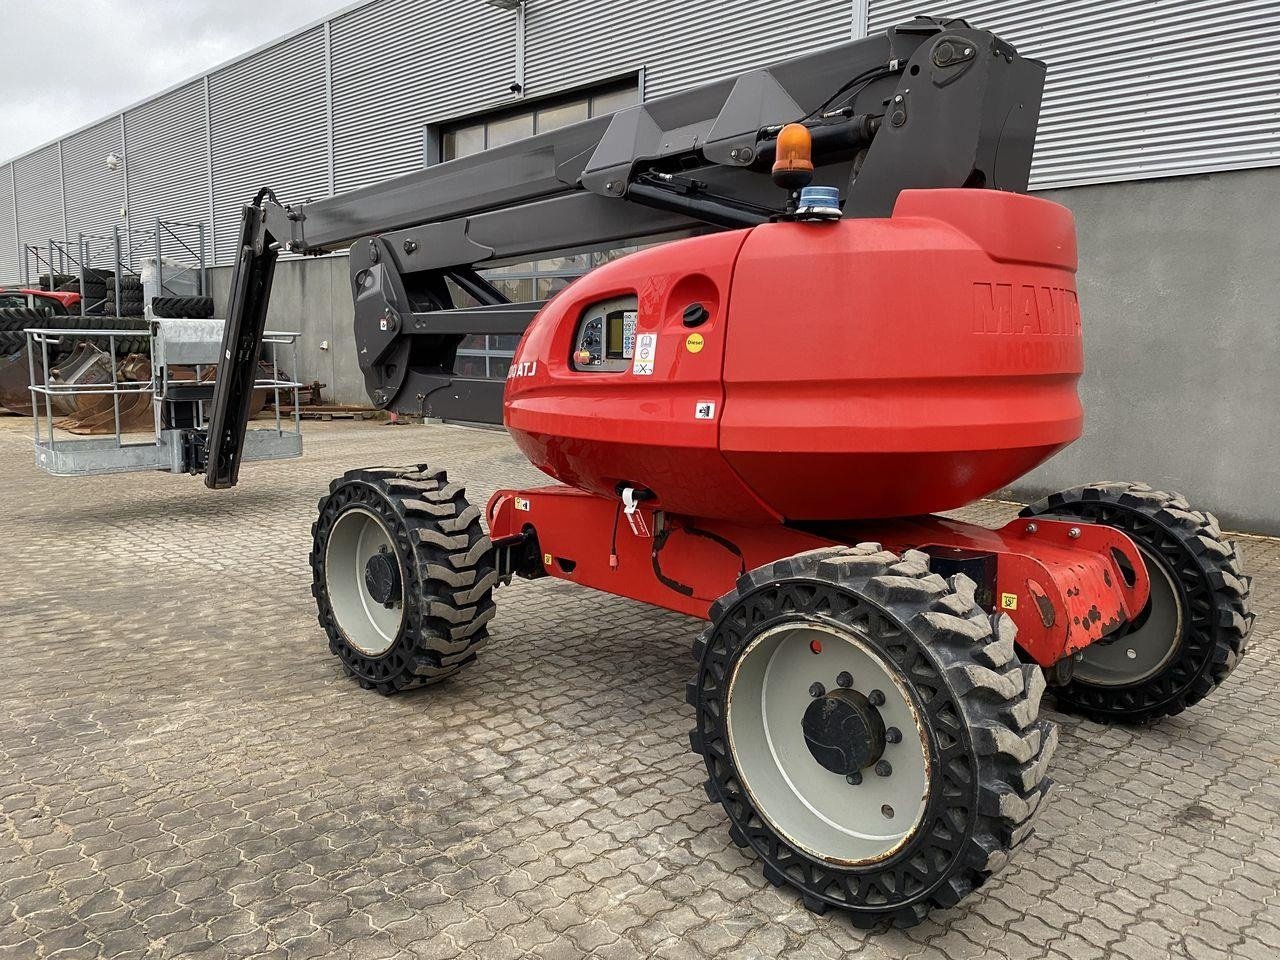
(849, 101)
(865, 77)
(660, 541)
(613, 539)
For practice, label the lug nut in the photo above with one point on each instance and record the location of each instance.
(853, 779)
(1032, 528)
(1074, 533)
(875, 698)
(883, 769)
(845, 679)
(887, 811)
(817, 690)
(893, 735)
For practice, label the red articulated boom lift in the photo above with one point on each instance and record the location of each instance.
(869, 322)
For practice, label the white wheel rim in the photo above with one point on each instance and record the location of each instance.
(813, 808)
(369, 626)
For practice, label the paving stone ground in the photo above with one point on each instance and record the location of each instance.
(184, 771)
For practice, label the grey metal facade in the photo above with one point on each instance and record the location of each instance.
(167, 145)
(675, 43)
(1141, 88)
(269, 124)
(1137, 89)
(37, 187)
(8, 225)
(94, 194)
(399, 64)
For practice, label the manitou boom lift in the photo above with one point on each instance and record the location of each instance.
(756, 425)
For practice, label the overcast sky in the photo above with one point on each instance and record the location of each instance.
(67, 63)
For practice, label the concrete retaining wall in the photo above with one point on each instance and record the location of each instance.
(1179, 292)
(313, 297)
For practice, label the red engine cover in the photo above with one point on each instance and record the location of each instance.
(847, 370)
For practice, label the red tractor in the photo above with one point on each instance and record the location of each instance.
(15, 301)
(757, 425)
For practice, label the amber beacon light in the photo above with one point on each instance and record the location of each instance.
(793, 163)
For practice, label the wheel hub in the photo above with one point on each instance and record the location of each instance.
(828, 742)
(382, 578)
(1141, 650)
(843, 732)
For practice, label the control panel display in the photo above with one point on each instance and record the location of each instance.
(606, 337)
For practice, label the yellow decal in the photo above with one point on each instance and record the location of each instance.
(694, 342)
(522, 503)
(1008, 601)
(546, 559)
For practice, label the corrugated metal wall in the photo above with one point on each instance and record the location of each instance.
(1141, 88)
(95, 194)
(400, 63)
(167, 141)
(37, 182)
(8, 226)
(270, 127)
(1137, 88)
(679, 44)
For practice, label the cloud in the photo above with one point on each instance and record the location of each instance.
(70, 63)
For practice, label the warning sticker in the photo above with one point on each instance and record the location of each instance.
(1008, 601)
(704, 410)
(646, 350)
(694, 343)
(522, 503)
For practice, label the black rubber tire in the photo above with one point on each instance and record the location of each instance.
(195, 308)
(96, 300)
(13, 339)
(990, 748)
(25, 315)
(14, 321)
(94, 288)
(130, 284)
(447, 571)
(1209, 577)
(59, 279)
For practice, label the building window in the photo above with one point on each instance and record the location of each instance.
(490, 356)
(465, 137)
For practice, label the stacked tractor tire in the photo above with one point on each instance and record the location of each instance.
(94, 292)
(130, 302)
(99, 294)
(15, 321)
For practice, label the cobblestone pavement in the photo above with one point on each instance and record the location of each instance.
(185, 771)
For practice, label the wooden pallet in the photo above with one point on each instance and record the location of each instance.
(329, 411)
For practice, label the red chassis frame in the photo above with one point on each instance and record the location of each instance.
(1064, 584)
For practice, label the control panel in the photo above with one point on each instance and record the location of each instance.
(606, 337)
